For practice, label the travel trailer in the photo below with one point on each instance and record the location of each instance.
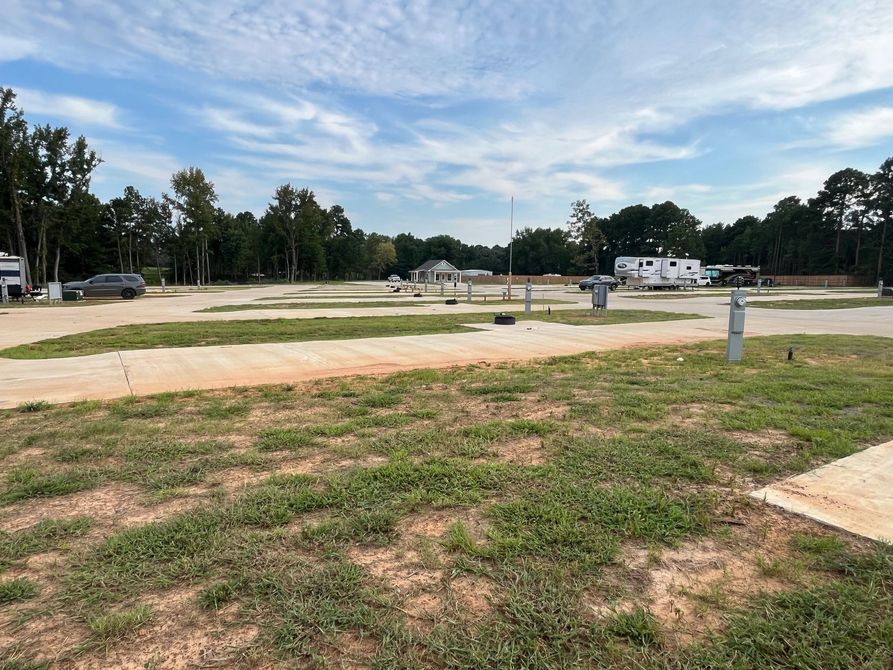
(650, 272)
(12, 272)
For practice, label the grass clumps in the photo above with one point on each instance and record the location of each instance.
(17, 590)
(114, 625)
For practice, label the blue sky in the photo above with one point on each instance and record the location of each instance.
(425, 117)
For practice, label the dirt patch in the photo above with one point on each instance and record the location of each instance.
(688, 588)
(766, 437)
(354, 650)
(521, 451)
(180, 635)
(43, 638)
(26, 456)
(111, 505)
(435, 524)
(472, 595)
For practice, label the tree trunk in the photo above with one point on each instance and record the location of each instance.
(858, 244)
(120, 257)
(56, 262)
(880, 255)
(130, 251)
(20, 230)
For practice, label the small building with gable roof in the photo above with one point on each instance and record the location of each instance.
(434, 272)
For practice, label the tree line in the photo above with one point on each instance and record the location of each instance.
(49, 216)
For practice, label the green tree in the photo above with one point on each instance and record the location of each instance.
(193, 201)
(383, 256)
(14, 139)
(586, 229)
(882, 200)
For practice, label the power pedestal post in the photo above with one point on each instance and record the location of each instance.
(599, 298)
(735, 345)
(469, 292)
(528, 298)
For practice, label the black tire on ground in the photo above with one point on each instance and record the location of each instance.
(128, 294)
(504, 320)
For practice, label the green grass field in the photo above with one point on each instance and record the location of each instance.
(829, 303)
(208, 333)
(372, 304)
(576, 512)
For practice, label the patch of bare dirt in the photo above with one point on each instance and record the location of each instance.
(521, 451)
(354, 651)
(26, 456)
(766, 437)
(435, 523)
(179, 636)
(472, 595)
(43, 638)
(689, 587)
(114, 504)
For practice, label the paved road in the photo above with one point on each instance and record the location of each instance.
(20, 325)
(118, 374)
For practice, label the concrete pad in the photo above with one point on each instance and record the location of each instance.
(854, 493)
(62, 379)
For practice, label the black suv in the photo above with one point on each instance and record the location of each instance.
(607, 280)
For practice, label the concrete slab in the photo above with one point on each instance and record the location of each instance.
(62, 379)
(155, 370)
(854, 493)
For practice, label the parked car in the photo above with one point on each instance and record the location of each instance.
(394, 279)
(127, 286)
(704, 280)
(607, 280)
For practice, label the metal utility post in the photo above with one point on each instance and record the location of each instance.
(735, 345)
(599, 299)
(4, 291)
(441, 288)
(528, 297)
(469, 292)
(880, 289)
(511, 237)
(163, 286)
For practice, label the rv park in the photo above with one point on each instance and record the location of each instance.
(446, 336)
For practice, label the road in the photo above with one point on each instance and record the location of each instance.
(122, 373)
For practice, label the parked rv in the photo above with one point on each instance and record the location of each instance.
(657, 272)
(12, 272)
(733, 275)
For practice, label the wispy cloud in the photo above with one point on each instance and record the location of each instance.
(79, 111)
(861, 128)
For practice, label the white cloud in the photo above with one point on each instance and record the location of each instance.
(862, 128)
(13, 48)
(80, 111)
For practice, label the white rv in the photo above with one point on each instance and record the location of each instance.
(649, 272)
(12, 273)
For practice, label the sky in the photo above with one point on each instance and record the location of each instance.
(427, 117)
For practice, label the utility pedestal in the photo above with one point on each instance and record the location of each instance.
(528, 298)
(735, 345)
(599, 299)
(469, 293)
(880, 289)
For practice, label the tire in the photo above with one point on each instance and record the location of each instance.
(128, 294)
(613, 287)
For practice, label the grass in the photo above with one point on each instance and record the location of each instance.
(17, 590)
(824, 303)
(372, 304)
(210, 333)
(420, 520)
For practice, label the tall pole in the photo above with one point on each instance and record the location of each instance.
(511, 237)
